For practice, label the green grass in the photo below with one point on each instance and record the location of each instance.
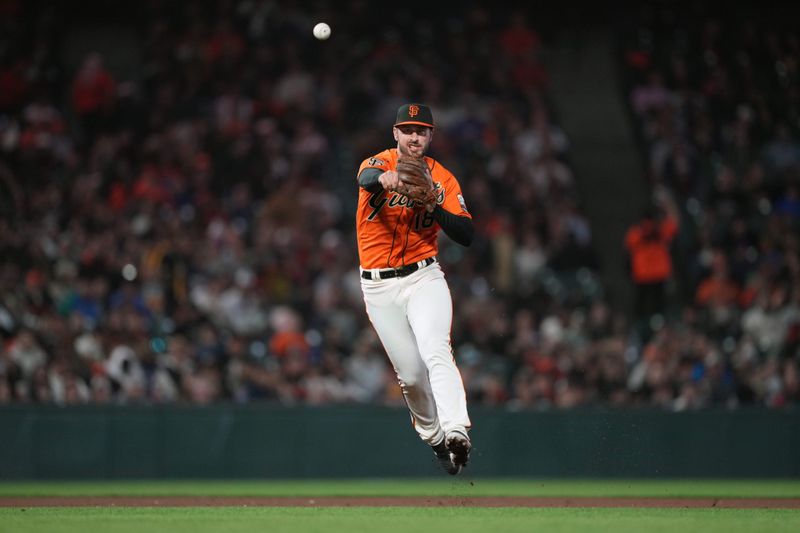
(391, 520)
(462, 486)
(400, 519)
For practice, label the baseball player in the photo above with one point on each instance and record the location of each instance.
(407, 298)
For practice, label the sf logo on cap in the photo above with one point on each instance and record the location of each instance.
(413, 110)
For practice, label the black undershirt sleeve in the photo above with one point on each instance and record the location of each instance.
(368, 180)
(460, 229)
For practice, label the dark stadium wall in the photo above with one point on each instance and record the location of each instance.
(266, 442)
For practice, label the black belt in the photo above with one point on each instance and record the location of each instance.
(401, 272)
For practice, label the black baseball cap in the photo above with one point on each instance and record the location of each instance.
(414, 114)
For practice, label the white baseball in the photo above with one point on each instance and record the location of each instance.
(322, 31)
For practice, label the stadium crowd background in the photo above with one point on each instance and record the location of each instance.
(188, 236)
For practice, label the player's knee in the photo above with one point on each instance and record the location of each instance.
(411, 381)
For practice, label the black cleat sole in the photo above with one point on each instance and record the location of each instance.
(459, 448)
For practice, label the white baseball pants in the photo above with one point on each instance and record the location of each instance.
(412, 316)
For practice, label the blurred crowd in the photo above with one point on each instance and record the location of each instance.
(186, 234)
(716, 100)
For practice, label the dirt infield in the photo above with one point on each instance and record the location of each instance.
(438, 501)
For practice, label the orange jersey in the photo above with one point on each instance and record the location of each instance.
(391, 230)
(650, 256)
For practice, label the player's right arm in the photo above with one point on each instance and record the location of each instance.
(374, 180)
(375, 175)
(369, 179)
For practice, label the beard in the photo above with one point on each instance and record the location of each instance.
(413, 150)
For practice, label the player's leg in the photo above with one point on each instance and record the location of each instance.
(390, 322)
(430, 313)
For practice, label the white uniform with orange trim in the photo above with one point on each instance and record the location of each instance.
(413, 313)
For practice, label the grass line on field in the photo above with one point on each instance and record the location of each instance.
(393, 520)
(463, 487)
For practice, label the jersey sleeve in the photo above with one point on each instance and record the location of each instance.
(380, 162)
(453, 198)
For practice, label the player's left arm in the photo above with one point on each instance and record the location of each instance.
(459, 228)
(452, 215)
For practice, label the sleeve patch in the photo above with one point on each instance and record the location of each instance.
(462, 203)
(375, 162)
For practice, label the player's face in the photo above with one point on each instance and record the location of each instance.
(413, 139)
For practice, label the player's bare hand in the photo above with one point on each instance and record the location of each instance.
(389, 180)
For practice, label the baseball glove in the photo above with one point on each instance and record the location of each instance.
(415, 180)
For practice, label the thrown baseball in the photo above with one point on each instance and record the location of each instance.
(322, 31)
